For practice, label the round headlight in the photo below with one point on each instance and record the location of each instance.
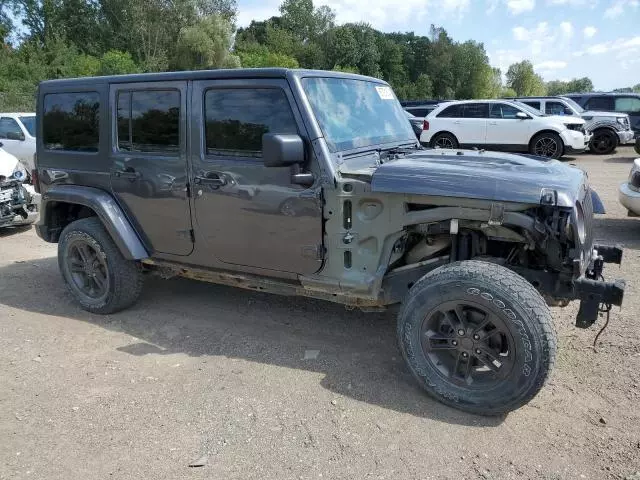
(580, 226)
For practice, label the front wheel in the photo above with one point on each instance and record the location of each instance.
(603, 142)
(477, 337)
(547, 144)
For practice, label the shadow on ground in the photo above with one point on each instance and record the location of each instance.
(619, 160)
(623, 231)
(9, 231)
(358, 354)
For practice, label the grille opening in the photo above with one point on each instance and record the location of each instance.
(347, 259)
(346, 215)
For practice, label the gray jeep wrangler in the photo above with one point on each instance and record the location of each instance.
(313, 184)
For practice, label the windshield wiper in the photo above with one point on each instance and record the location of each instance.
(394, 151)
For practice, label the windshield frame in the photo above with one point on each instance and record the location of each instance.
(333, 148)
(573, 104)
(30, 119)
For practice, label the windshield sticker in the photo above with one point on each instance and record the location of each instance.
(385, 93)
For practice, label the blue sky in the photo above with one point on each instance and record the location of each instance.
(564, 39)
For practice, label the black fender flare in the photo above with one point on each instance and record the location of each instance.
(107, 210)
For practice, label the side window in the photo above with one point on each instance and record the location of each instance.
(535, 105)
(418, 112)
(71, 121)
(453, 111)
(7, 126)
(236, 119)
(600, 103)
(476, 110)
(504, 111)
(557, 108)
(149, 121)
(628, 104)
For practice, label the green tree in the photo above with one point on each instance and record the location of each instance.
(524, 81)
(206, 44)
(305, 21)
(260, 56)
(115, 62)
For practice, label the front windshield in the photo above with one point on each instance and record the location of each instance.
(356, 113)
(573, 104)
(30, 124)
(533, 111)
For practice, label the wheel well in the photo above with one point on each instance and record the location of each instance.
(444, 131)
(61, 214)
(544, 131)
(607, 128)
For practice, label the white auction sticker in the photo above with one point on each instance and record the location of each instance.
(385, 93)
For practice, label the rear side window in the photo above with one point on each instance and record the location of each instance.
(236, 119)
(71, 121)
(149, 121)
(557, 108)
(453, 111)
(476, 110)
(504, 111)
(8, 126)
(600, 103)
(628, 104)
(535, 105)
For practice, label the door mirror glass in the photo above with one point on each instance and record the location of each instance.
(282, 150)
(15, 136)
(522, 116)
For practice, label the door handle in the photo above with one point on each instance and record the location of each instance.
(457, 123)
(493, 123)
(128, 172)
(210, 178)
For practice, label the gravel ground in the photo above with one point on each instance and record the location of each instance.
(257, 386)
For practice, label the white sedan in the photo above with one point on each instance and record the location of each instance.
(629, 192)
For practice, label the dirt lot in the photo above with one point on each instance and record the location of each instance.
(198, 372)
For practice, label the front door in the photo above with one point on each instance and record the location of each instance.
(15, 142)
(248, 214)
(504, 128)
(149, 162)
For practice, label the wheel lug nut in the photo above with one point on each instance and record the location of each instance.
(476, 337)
(461, 332)
(454, 343)
(465, 354)
(478, 351)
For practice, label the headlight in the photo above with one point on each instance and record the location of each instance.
(580, 225)
(19, 173)
(620, 120)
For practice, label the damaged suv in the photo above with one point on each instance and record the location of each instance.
(18, 200)
(139, 175)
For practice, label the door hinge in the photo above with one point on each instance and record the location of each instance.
(313, 251)
(192, 235)
(187, 190)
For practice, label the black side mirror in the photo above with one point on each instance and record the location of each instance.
(282, 150)
(15, 136)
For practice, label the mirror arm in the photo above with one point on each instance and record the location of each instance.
(299, 178)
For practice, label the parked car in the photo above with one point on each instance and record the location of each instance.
(628, 103)
(629, 192)
(609, 129)
(420, 108)
(19, 202)
(471, 243)
(18, 135)
(503, 125)
(416, 124)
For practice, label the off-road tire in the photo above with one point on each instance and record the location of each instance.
(504, 293)
(125, 278)
(444, 136)
(550, 135)
(604, 142)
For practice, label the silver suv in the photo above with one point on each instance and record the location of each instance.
(610, 129)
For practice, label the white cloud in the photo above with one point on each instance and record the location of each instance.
(455, 6)
(620, 44)
(550, 65)
(619, 6)
(567, 29)
(589, 32)
(535, 34)
(517, 7)
(568, 2)
(492, 5)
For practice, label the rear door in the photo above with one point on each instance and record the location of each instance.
(149, 162)
(504, 128)
(474, 124)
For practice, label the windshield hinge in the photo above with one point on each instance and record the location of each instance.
(496, 217)
(192, 234)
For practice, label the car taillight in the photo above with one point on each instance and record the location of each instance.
(35, 181)
(425, 125)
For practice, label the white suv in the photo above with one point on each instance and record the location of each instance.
(503, 125)
(18, 135)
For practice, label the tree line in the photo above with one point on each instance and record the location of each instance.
(74, 38)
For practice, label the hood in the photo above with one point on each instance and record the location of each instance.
(474, 174)
(8, 163)
(594, 113)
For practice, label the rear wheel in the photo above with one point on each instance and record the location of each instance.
(603, 142)
(477, 337)
(95, 271)
(444, 140)
(547, 144)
